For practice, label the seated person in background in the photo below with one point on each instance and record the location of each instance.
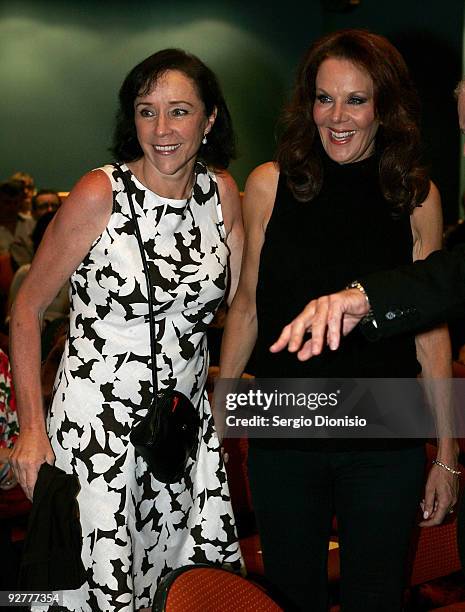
(44, 201)
(11, 199)
(29, 189)
(22, 246)
(15, 245)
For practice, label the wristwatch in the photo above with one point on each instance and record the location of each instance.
(368, 322)
(358, 285)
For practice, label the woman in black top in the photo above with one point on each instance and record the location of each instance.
(346, 196)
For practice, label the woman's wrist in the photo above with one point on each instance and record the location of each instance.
(452, 469)
(448, 451)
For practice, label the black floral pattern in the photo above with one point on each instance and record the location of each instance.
(135, 529)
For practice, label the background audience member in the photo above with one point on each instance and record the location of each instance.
(29, 189)
(22, 247)
(45, 200)
(15, 239)
(11, 225)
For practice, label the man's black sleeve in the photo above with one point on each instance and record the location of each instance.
(417, 295)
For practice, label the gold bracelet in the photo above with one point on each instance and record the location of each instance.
(446, 467)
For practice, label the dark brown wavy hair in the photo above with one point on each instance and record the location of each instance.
(404, 181)
(220, 148)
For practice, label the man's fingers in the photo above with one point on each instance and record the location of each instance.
(324, 317)
(282, 341)
(298, 329)
(306, 351)
(292, 335)
(335, 314)
(317, 319)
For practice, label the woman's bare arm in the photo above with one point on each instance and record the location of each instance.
(79, 221)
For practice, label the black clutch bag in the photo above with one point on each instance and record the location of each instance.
(168, 433)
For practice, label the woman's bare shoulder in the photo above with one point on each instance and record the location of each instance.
(89, 203)
(230, 199)
(260, 193)
(264, 177)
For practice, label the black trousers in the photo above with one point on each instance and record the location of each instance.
(375, 496)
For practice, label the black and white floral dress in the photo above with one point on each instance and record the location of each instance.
(135, 528)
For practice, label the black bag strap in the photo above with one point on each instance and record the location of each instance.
(150, 289)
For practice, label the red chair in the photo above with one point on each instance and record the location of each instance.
(204, 588)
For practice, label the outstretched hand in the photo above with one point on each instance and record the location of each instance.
(324, 318)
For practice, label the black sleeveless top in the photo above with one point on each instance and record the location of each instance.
(315, 248)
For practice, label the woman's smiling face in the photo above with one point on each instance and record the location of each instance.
(171, 122)
(344, 110)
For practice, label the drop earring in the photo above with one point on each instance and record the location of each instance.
(204, 139)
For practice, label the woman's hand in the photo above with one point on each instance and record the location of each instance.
(441, 494)
(32, 448)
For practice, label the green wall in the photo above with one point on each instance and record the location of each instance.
(62, 64)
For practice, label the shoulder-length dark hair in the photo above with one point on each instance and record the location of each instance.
(404, 182)
(220, 148)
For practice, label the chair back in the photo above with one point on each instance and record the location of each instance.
(206, 588)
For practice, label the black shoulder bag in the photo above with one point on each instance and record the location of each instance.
(167, 434)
